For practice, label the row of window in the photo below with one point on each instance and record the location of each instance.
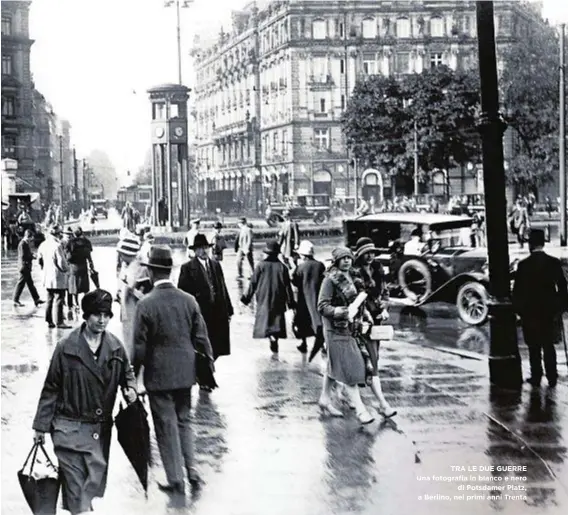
(6, 25)
(8, 105)
(7, 64)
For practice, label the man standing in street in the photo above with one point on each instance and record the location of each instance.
(51, 257)
(218, 243)
(540, 295)
(168, 329)
(243, 246)
(191, 234)
(289, 239)
(25, 260)
(203, 278)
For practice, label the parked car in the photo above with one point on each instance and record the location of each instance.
(448, 270)
(100, 208)
(303, 207)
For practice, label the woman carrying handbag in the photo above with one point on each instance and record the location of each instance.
(369, 278)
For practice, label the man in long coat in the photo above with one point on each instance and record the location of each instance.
(168, 329)
(203, 278)
(307, 277)
(271, 284)
(540, 295)
(243, 246)
(289, 238)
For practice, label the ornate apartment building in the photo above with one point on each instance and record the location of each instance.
(17, 91)
(269, 96)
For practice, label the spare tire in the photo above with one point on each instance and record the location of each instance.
(415, 279)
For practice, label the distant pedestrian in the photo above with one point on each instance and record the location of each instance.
(289, 239)
(51, 257)
(243, 246)
(77, 400)
(519, 221)
(218, 243)
(270, 282)
(25, 262)
(195, 225)
(80, 264)
(203, 278)
(168, 330)
(148, 241)
(307, 278)
(127, 249)
(540, 296)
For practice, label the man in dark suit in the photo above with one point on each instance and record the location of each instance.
(168, 328)
(203, 278)
(540, 295)
(25, 261)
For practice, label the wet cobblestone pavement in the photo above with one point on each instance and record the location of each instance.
(263, 448)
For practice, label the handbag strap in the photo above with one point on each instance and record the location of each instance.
(33, 451)
(46, 456)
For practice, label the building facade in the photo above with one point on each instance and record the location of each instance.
(269, 96)
(17, 92)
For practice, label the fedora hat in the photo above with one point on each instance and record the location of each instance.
(363, 246)
(200, 240)
(159, 256)
(306, 248)
(272, 247)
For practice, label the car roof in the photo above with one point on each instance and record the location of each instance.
(415, 218)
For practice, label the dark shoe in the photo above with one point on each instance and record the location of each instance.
(303, 348)
(64, 326)
(39, 302)
(18, 304)
(175, 488)
(204, 388)
(51, 326)
(195, 479)
(552, 383)
(273, 346)
(533, 382)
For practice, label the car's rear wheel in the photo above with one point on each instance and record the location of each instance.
(415, 279)
(320, 218)
(472, 302)
(272, 220)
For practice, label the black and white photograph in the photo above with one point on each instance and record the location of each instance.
(275, 257)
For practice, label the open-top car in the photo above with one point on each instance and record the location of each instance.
(446, 269)
(303, 207)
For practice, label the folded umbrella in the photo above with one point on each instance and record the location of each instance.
(204, 369)
(133, 434)
(95, 278)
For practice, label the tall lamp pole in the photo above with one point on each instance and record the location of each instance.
(504, 359)
(562, 137)
(185, 3)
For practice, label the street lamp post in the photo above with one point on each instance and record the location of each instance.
(504, 359)
(185, 3)
(562, 137)
(408, 103)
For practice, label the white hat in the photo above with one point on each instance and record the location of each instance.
(128, 246)
(306, 248)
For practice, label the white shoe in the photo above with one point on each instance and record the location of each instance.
(365, 417)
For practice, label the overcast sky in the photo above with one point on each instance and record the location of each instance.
(95, 59)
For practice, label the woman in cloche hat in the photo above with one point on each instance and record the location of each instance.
(270, 282)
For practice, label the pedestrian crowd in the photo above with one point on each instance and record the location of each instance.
(174, 333)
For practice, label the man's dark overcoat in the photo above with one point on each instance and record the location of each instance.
(307, 277)
(271, 284)
(215, 303)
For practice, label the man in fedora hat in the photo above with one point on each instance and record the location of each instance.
(540, 295)
(270, 282)
(203, 278)
(218, 243)
(51, 257)
(25, 262)
(168, 328)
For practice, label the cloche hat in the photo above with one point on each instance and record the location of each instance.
(363, 246)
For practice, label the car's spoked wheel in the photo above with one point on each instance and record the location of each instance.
(472, 303)
(415, 280)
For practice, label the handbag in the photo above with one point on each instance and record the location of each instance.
(381, 332)
(204, 371)
(41, 493)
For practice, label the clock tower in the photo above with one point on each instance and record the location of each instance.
(170, 180)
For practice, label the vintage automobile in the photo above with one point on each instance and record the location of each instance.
(303, 207)
(448, 270)
(101, 207)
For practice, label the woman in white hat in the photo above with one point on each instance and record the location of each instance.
(307, 277)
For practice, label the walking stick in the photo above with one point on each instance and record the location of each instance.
(564, 338)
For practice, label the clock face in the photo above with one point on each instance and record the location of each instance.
(159, 132)
(178, 131)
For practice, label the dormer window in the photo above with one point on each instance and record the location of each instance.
(319, 29)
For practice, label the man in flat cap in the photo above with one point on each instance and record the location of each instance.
(75, 406)
(540, 295)
(168, 328)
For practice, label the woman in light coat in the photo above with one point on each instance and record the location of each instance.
(345, 359)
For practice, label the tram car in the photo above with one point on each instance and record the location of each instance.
(139, 196)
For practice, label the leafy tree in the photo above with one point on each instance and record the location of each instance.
(444, 107)
(374, 123)
(144, 173)
(530, 95)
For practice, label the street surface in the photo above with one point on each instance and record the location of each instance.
(263, 448)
